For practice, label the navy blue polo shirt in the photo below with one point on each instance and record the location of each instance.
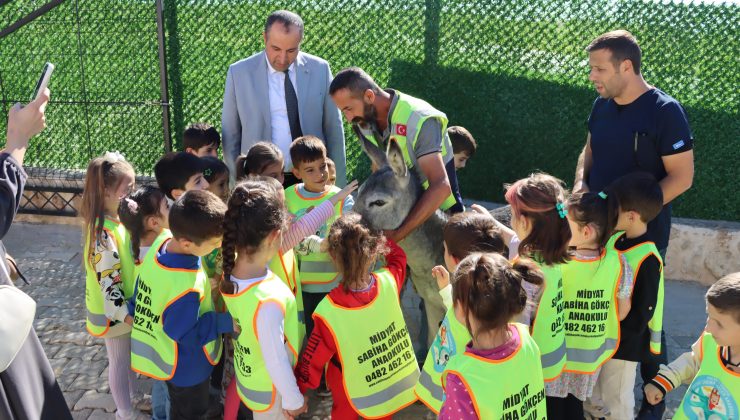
(632, 137)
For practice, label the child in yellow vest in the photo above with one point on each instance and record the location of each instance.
(463, 234)
(713, 366)
(266, 349)
(597, 284)
(542, 233)
(359, 329)
(499, 375)
(145, 214)
(636, 199)
(109, 268)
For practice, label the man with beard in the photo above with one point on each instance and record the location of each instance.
(379, 115)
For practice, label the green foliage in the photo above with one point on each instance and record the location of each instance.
(514, 72)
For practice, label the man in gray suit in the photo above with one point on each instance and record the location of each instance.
(261, 104)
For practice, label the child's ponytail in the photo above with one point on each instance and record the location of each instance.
(595, 209)
(134, 209)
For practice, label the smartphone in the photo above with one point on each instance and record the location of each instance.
(43, 80)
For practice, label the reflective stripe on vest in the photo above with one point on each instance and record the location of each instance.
(590, 301)
(635, 256)
(254, 384)
(548, 324)
(318, 274)
(408, 116)
(285, 266)
(378, 364)
(154, 353)
(503, 389)
(715, 391)
(451, 339)
(97, 323)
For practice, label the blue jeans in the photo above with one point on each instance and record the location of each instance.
(160, 401)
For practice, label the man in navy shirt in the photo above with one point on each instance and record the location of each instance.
(634, 126)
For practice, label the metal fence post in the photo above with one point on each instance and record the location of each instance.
(164, 94)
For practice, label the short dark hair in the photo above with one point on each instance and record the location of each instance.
(286, 18)
(174, 170)
(197, 216)
(470, 232)
(462, 141)
(639, 192)
(200, 134)
(355, 79)
(623, 46)
(725, 295)
(307, 149)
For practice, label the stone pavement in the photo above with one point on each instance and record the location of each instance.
(49, 256)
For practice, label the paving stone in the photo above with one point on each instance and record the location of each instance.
(79, 352)
(81, 414)
(102, 415)
(58, 364)
(86, 383)
(72, 397)
(84, 367)
(77, 338)
(65, 381)
(96, 400)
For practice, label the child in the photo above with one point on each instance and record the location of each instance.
(713, 365)
(177, 334)
(332, 169)
(109, 269)
(216, 173)
(264, 159)
(177, 172)
(359, 329)
(318, 275)
(463, 234)
(538, 219)
(145, 214)
(284, 264)
(597, 283)
(463, 145)
(499, 375)
(201, 139)
(267, 347)
(638, 200)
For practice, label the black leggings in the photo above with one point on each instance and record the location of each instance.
(567, 408)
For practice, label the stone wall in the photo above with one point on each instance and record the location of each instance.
(702, 250)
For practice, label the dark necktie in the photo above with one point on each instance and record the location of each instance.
(291, 103)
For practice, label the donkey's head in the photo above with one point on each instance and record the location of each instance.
(388, 195)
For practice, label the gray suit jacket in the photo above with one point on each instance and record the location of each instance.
(246, 113)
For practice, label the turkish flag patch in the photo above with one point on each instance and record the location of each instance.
(401, 130)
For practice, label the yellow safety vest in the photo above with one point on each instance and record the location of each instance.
(548, 323)
(379, 368)
(451, 339)
(153, 352)
(591, 318)
(254, 385)
(318, 274)
(715, 391)
(285, 266)
(97, 323)
(635, 256)
(408, 116)
(512, 388)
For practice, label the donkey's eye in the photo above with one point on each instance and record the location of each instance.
(379, 203)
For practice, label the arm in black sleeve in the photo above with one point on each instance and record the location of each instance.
(644, 296)
(12, 181)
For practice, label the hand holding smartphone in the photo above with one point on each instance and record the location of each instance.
(43, 80)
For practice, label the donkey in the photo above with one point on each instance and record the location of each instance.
(385, 199)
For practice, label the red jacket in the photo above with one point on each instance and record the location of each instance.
(321, 348)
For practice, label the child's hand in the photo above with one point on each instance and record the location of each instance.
(309, 245)
(346, 191)
(129, 320)
(237, 328)
(477, 208)
(292, 414)
(442, 276)
(653, 395)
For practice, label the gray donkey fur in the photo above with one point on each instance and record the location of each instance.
(384, 201)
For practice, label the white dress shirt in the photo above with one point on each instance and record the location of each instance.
(281, 136)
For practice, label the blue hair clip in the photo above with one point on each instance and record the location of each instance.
(562, 211)
(602, 194)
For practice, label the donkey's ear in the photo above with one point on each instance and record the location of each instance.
(395, 158)
(377, 157)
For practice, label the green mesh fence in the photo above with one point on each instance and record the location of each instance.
(513, 72)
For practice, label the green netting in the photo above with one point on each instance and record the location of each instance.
(514, 72)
